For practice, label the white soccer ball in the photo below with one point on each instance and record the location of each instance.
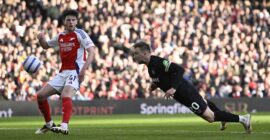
(31, 64)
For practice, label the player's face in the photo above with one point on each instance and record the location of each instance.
(139, 55)
(70, 23)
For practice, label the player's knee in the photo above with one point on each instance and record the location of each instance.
(210, 119)
(209, 115)
(41, 96)
(68, 91)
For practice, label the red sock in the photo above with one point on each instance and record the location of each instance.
(45, 110)
(66, 109)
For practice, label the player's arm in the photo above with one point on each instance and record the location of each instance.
(44, 44)
(90, 57)
(89, 46)
(176, 74)
(174, 70)
(42, 41)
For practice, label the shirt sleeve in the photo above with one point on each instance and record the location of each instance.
(175, 71)
(84, 39)
(53, 42)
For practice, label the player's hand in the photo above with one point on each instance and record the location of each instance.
(152, 87)
(81, 76)
(170, 93)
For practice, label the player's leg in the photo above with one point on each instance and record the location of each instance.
(44, 107)
(72, 84)
(214, 108)
(223, 116)
(190, 97)
(67, 94)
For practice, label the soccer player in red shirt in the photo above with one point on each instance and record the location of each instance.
(72, 43)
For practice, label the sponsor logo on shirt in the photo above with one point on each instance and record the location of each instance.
(65, 47)
(167, 64)
(71, 39)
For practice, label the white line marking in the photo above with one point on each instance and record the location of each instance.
(3, 128)
(155, 130)
(186, 131)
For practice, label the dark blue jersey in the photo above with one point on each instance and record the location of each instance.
(165, 74)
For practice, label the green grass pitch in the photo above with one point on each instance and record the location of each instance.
(135, 127)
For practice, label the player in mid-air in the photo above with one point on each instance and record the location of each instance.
(73, 44)
(168, 76)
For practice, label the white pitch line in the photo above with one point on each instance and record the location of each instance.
(3, 128)
(12, 128)
(187, 131)
(156, 130)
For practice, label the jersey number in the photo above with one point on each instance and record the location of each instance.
(71, 79)
(194, 107)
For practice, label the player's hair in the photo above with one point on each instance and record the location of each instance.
(70, 12)
(142, 45)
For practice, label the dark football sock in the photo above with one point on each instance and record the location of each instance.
(212, 106)
(225, 116)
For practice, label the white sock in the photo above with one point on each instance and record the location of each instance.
(49, 124)
(64, 125)
(242, 119)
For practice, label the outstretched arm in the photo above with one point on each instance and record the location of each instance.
(176, 74)
(91, 53)
(42, 41)
(174, 70)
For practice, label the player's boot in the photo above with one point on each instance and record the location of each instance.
(59, 129)
(247, 123)
(223, 126)
(44, 129)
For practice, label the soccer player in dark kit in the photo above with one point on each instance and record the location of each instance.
(168, 76)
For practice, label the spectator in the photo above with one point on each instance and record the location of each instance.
(225, 44)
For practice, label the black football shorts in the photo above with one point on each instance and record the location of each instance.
(188, 95)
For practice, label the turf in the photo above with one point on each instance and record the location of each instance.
(135, 127)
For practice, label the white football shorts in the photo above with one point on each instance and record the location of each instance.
(65, 78)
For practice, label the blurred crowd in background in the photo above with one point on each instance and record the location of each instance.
(223, 45)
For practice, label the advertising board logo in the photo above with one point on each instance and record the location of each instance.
(6, 113)
(175, 108)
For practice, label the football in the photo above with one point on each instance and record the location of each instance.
(31, 64)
